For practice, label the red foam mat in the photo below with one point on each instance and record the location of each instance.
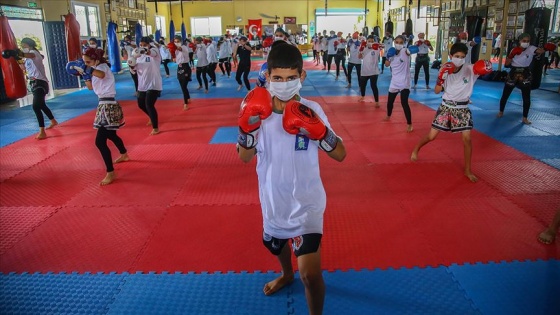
(182, 204)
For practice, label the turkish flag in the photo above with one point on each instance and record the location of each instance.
(255, 29)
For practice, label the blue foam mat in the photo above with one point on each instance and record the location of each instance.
(530, 287)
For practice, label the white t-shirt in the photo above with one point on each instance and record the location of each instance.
(387, 42)
(317, 44)
(201, 55)
(525, 58)
(498, 42)
(324, 44)
(164, 51)
(224, 50)
(342, 45)
(400, 70)
(182, 56)
(354, 53)
(458, 86)
(292, 196)
(370, 62)
(147, 68)
(211, 53)
(330, 45)
(35, 67)
(423, 48)
(104, 87)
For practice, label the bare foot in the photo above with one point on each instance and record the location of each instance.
(376, 104)
(199, 88)
(122, 158)
(277, 284)
(109, 178)
(414, 156)
(547, 237)
(471, 177)
(154, 132)
(239, 87)
(387, 118)
(500, 114)
(206, 91)
(41, 135)
(348, 86)
(185, 107)
(526, 121)
(149, 123)
(361, 99)
(53, 123)
(409, 128)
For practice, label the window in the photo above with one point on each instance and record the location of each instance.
(160, 25)
(204, 26)
(87, 16)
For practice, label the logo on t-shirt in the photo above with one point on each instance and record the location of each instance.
(302, 142)
(465, 80)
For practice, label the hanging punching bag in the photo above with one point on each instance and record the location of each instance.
(137, 33)
(537, 22)
(474, 27)
(158, 36)
(73, 47)
(113, 47)
(171, 29)
(389, 26)
(14, 80)
(183, 31)
(377, 31)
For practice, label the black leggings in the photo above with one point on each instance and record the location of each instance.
(325, 58)
(202, 71)
(101, 143)
(372, 82)
(165, 62)
(358, 70)
(383, 59)
(212, 71)
(425, 63)
(225, 62)
(243, 69)
(191, 60)
(338, 60)
(525, 94)
(329, 61)
(135, 79)
(147, 103)
(40, 89)
(404, 103)
(184, 76)
(497, 52)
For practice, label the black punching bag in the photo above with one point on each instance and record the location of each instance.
(376, 31)
(408, 27)
(389, 26)
(474, 27)
(537, 22)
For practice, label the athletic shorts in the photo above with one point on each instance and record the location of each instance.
(301, 245)
(453, 118)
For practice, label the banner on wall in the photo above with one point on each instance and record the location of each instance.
(255, 29)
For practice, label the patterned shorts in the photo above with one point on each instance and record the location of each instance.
(520, 77)
(453, 119)
(109, 114)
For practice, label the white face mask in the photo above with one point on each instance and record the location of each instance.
(25, 50)
(369, 45)
(178, 44)
(284, 91)
(458, 61)
(463, 41)
(277, 38)
(399, 46)
(92, 46)
(524, 45)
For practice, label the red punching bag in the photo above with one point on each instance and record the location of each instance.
(73, 46)
(14, 80)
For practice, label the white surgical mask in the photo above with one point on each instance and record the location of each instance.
(463, 41)
(178, 44)
(369, 45)
(458, 61)
(284, 91)
(92, 46)
(25, 50)
(524, 45)
(277, 38)
(399, 46)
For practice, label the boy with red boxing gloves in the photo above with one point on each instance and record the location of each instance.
(456, 79)
(285, 132)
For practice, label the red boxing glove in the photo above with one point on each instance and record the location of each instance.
(482, 67)
(514, 52)
(256, 106)
(192, 46)
(445, 70)
(427, 42)
(336, 44)
(363, 45)
(267, 42)
(299, 118)
(549, 47)
(375, 46)
(418, 43)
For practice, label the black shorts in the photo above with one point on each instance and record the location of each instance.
(301, 245)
